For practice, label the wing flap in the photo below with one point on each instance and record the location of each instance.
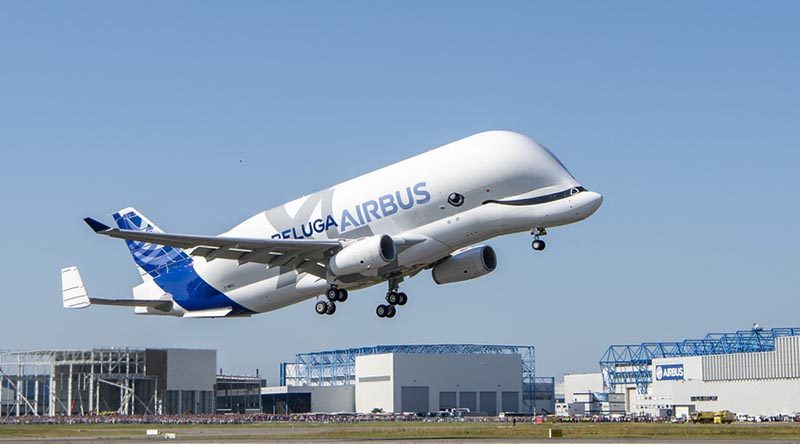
(312, 268)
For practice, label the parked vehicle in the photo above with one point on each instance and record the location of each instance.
(720, 417)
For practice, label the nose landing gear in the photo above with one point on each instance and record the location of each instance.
(537, 243)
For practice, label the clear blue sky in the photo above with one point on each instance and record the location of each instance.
(684, 115)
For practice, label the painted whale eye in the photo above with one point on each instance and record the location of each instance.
(574, 191)
(455, 199)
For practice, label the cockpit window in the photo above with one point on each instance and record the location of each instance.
(576, 190)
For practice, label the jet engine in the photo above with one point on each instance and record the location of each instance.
(467, 264)
(363, 255)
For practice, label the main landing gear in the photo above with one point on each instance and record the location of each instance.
(334, 295)
(394, 298)
(385, 311)
(537, 243)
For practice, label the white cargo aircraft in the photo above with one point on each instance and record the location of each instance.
(426, 212)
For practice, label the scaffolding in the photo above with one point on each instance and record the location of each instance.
(630, 364)
(338, 367)
(76, 382)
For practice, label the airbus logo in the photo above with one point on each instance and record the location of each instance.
(669, 372)
(362, 214)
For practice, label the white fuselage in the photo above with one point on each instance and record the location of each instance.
(490, 166)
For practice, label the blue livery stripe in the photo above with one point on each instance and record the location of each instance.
(173, 270)
(191, 292)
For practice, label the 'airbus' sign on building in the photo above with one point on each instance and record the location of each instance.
(669, 372)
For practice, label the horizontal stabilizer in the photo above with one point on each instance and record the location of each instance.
(72, 290)
(75, 296)
(158, 305)
(95, 225)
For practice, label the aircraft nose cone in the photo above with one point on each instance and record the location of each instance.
(595, 200)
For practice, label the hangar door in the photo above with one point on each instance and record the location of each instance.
(414, 399)
(488, 403)
(510, 401)
(468, 401)
(447, 400)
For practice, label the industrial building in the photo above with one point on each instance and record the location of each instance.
(305, 399)
(544, 395)
(123, 381)
(754, 372)
(412, 378)
(238, 393)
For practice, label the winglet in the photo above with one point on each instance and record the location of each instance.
(72, 290)
(95, 225)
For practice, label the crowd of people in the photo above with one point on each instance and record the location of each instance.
(252, 418)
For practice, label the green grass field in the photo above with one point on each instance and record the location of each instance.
(412, 430)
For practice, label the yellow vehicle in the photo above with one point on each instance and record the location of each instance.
(703, 417)
(724, 417)
(720, 417)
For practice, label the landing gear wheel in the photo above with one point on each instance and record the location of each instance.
(403, 299)
(538, 245)
(332, 294)
(393, 298)
(341, 295)
(321, 307)
(392, 311)
(331, 308)
(382, 310)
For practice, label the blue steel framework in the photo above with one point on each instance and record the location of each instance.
(338, 367)
(629, 364)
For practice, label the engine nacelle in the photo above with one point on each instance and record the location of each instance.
(464, 265)
(364, 255)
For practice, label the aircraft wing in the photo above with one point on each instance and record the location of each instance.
(297, 253)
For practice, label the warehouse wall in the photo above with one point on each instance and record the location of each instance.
(423, 383)
(762, 383)
(374, 385)
(191, 375)
(332, 399)
(582, 383)
(191, 369)
(495, 379)
(758, 397)
(784, 362)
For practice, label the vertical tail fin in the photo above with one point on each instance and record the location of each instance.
(149, 257)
